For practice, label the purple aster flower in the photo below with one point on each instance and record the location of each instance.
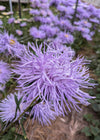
(9, 44)
(49, 30)
(83, 23)
(5, 72)
(87, 36)
(43, 113)
(43, 12)
(11, 20)
(62, 8)
(45, 20)
(94, 20)
(19, 32)
(54, 78)
(23, 24)
(2, 8)
(65, 38)
(35, 12)
(37, 33)
(66, 25)
(8, 108)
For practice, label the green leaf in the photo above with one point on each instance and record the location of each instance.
(96, 122)
(94, 130)
(88, 117)
(97, 137)
(87, 132)
(96, 107)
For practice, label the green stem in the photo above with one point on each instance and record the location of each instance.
(10, 125)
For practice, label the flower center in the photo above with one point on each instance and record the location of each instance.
(12, 42)
(85, 22)
(66, 35)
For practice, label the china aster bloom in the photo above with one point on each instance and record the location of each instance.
(9, 44)
(23, 24)
(66, 38)
(43, 113)
(49, 30)
(37, 33)
(52, 76)
(19, 32)
(2, 8)
(8, 108)
(35, 12)
(11, 20)
(5, 72)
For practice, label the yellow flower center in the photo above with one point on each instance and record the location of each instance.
(66, 35)
(12, 42)
(85, 22)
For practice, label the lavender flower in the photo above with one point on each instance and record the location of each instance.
(5, 72)
(50, 31)
(19, 32)
(65, 38)
(37, 33)
(11, 20)
(34, 12)
(10, 45)
(2, 8)
(23, 24)
(8, 108)
(43, 113)
(54, 78)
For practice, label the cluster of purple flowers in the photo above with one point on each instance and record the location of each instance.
(56, 22)
(10, 45)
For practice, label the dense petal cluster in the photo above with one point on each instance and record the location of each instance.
(43, 113)
(53, 76)
(5, 72)
(8, 108)
(9, 44)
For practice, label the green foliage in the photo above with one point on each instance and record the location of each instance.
(92, 130)
(87, 132)
(12, 135)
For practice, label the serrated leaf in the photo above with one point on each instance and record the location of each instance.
(88, 117)
(96, 107)
(87, 132)
(95, 130)
(97, 137)
(96, 122)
